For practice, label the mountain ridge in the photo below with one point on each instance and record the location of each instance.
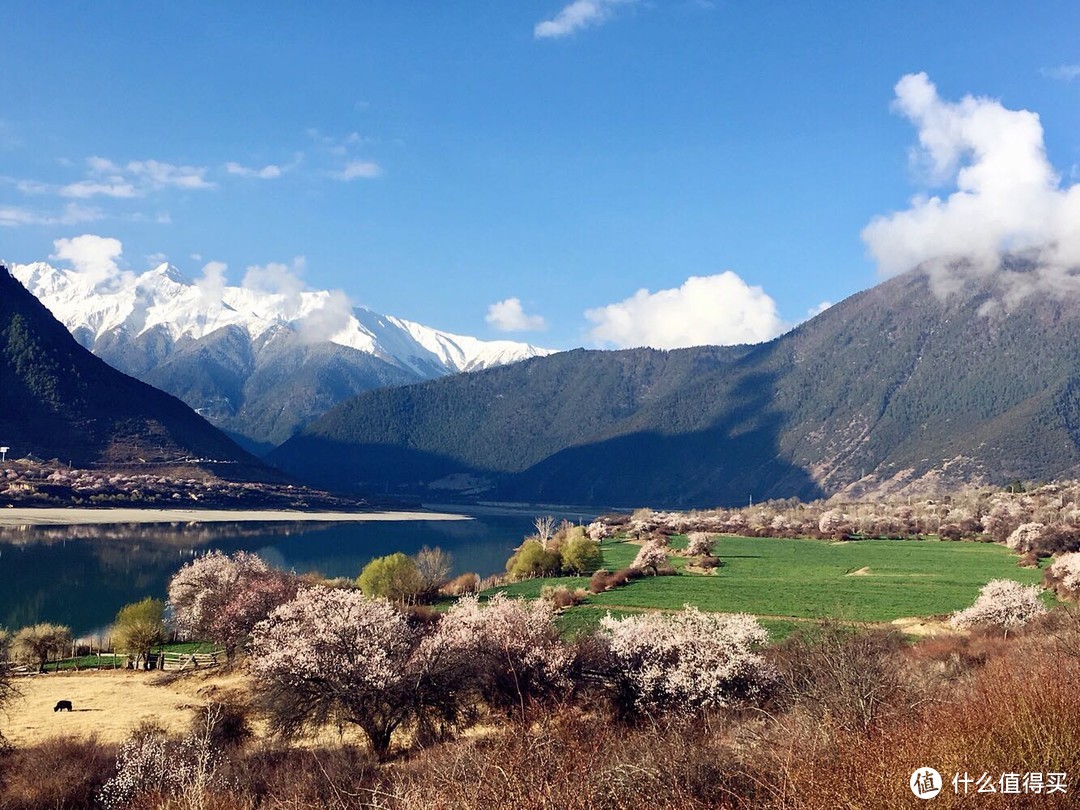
(892, 388)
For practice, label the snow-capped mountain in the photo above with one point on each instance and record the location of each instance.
(258, 364)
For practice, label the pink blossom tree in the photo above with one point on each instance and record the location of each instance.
(220, 597)
(684, 661)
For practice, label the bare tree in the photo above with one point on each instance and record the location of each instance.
(434, 567)
(545, 529)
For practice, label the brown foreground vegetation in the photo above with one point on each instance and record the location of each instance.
(851, 717)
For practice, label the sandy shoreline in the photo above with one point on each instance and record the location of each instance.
(77, 517)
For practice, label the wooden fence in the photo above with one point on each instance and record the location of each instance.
(180, 662)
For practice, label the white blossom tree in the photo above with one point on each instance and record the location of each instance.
(1064, 575)
(1001, 603)
(652, 555)
(1025, 537)
(699, 544)
(684, 661)
(511, 645)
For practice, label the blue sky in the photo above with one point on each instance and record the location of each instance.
(442, 161)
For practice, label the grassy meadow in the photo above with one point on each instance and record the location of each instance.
(786, 582)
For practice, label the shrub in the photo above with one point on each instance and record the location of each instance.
(533, 560)
(1001, 603)
(510, 647)
(839, 675)
(394, 577)
(461, 585)
(684, 661)
(580, 555)
(138, 628)
(61, 772)
(1025, 537)
(562, 597)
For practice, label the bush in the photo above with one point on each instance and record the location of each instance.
(533, 560)
(651, 556)
(684, 661)
(563, 597)
(394, 577)
(580, 555)
(1063, 576)
(61, 772)
(461, 585)
(839, 675)
(699, 544)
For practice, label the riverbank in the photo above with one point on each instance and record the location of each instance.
(75, 516)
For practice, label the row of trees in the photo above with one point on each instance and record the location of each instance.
(367, 656)
(1050, 514)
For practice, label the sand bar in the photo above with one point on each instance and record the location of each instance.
(51, 516)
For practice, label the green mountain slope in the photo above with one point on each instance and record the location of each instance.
(886, 388)
(57, 400)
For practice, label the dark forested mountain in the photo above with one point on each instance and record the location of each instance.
(892, 387)
(57, 400)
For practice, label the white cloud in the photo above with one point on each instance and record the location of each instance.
(577, 15)
(321, 324)
(211, 284)
(158, 174)
(85, 189)
(354, 169)
(1006, 198)
(278, 279)
(1065, 73)
(93, 257)
(813, 312)
(706, 310)
(508, 316)
(268, 172)
(12, 216)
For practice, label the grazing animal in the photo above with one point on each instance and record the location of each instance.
(62, 706)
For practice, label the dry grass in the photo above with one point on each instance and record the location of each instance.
(109, 704)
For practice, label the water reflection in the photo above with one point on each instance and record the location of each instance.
(81, 575)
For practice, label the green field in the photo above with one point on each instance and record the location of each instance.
(789, 581)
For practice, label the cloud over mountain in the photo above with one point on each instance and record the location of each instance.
(1003, 197)
(718, 310)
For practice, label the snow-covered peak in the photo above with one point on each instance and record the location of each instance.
(164, 299)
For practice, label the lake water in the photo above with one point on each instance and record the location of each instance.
(81, 576)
